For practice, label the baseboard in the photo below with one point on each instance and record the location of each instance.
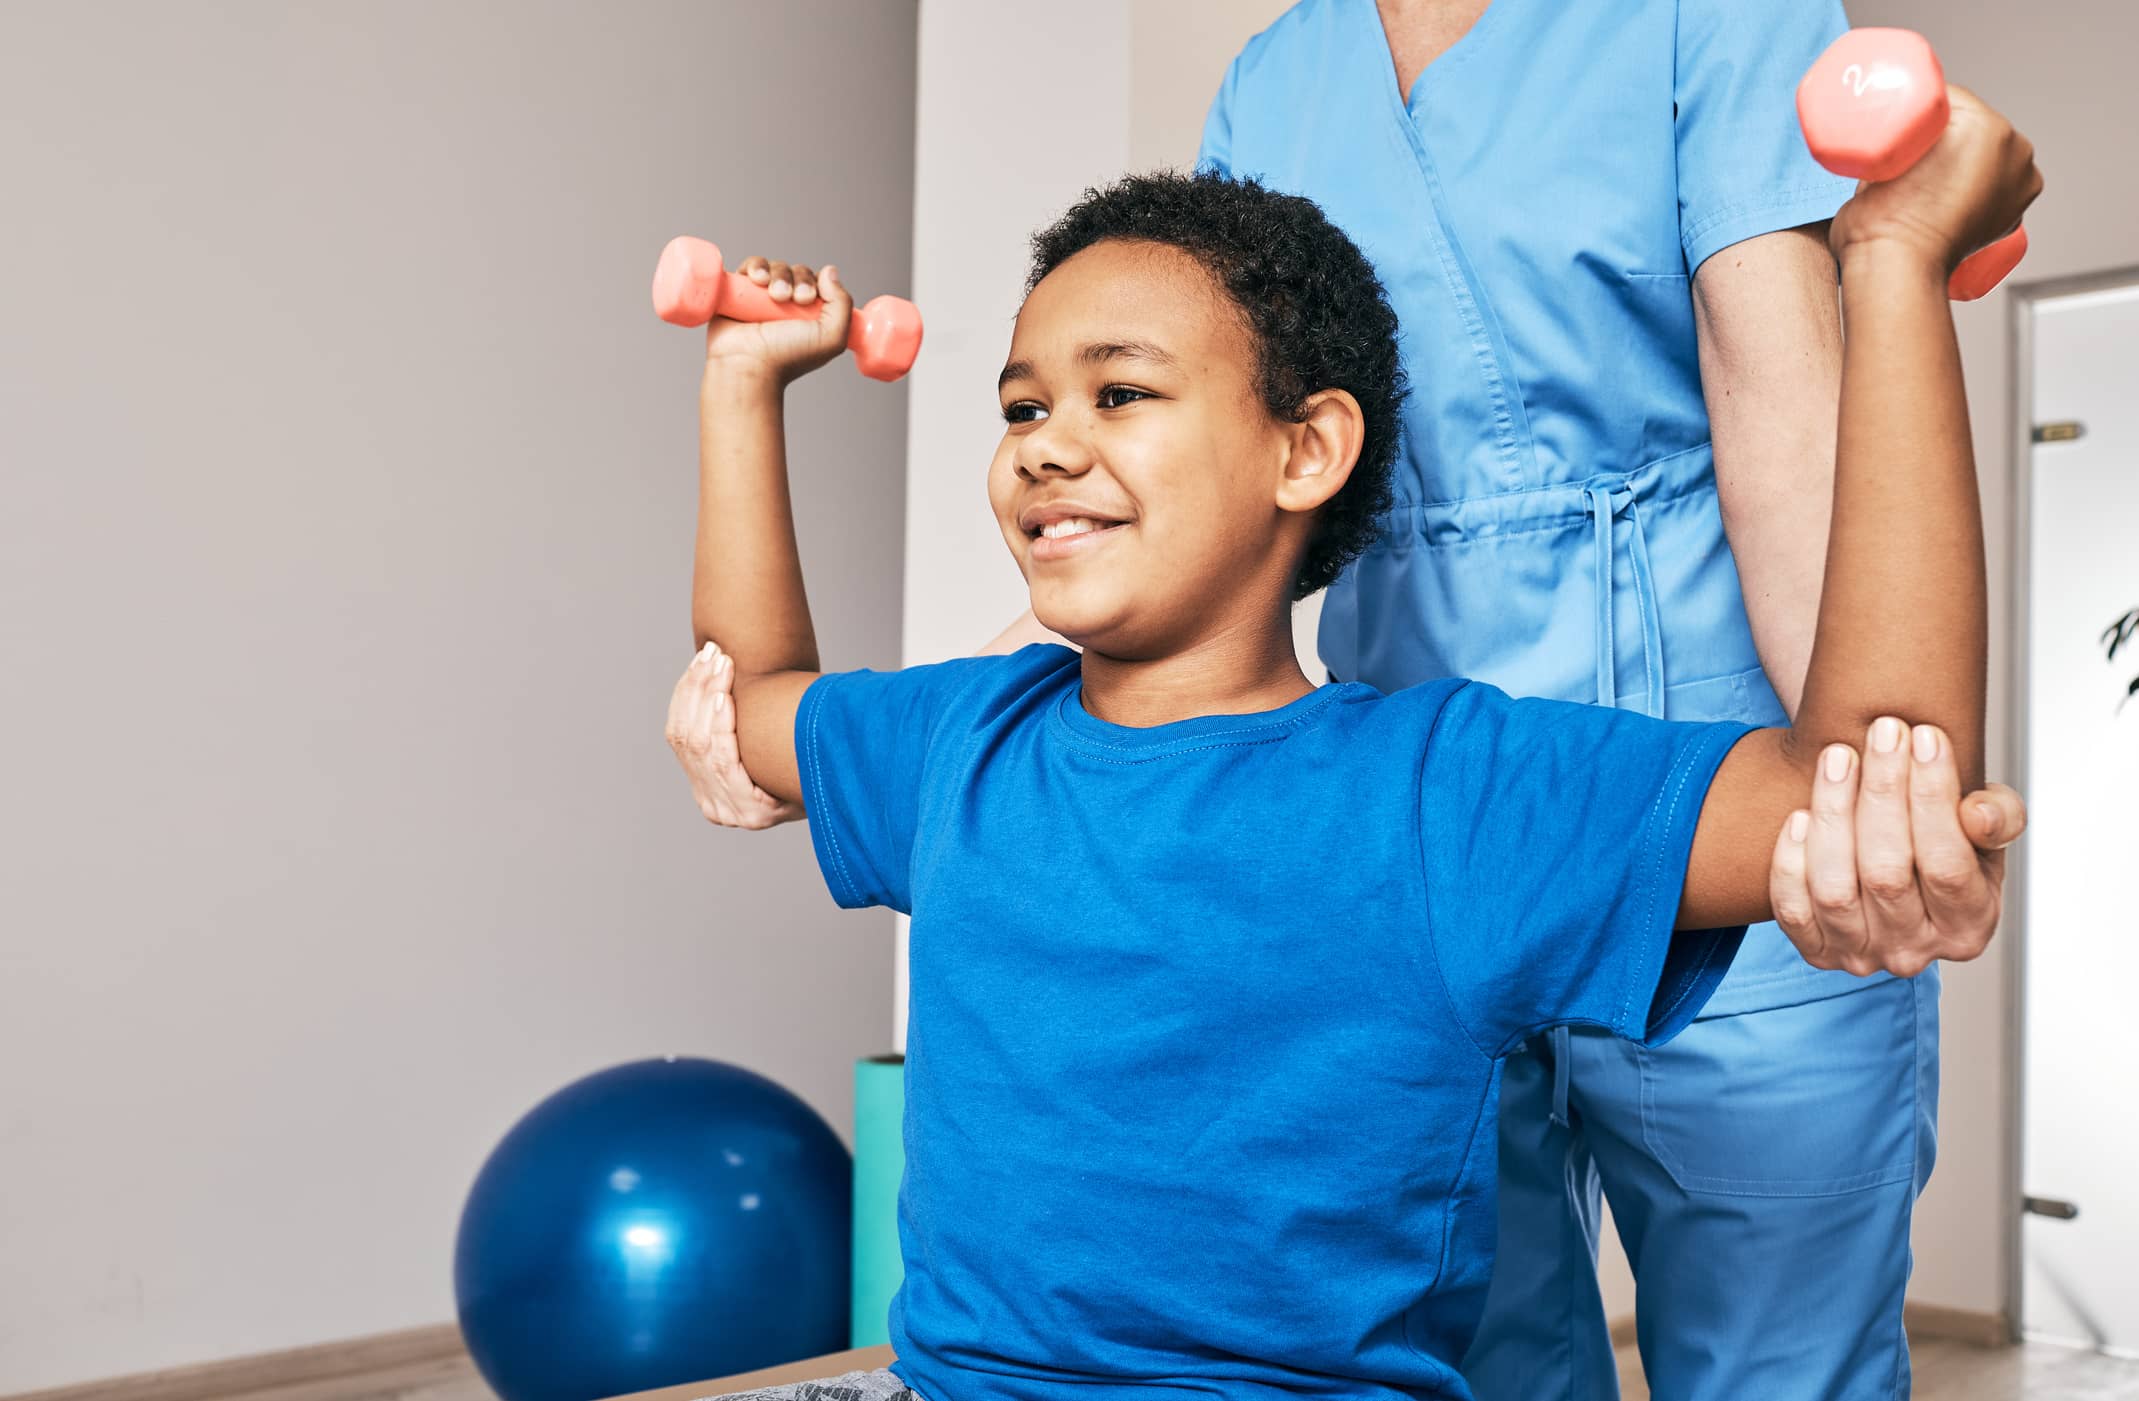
(1957, 1325)
(224, 1381)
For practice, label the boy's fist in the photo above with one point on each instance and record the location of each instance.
(1890, 868)
(788, 349)
(1968, 191)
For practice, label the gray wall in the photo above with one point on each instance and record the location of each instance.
(344, 555)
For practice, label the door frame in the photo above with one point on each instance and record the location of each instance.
(2022, 300)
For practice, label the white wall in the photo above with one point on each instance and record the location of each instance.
(2062, 70)
(1022, 105)
(344, 559)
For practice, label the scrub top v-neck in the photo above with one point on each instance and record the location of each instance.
(1555, 530)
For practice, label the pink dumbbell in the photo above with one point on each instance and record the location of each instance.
(691, 288)
(1871, 106)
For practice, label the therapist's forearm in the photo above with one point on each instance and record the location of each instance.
(1768, 325)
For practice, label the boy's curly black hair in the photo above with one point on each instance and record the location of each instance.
(1320, 317)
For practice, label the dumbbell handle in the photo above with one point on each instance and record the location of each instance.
(743, 300)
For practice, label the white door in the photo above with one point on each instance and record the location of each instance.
(2080, 1276)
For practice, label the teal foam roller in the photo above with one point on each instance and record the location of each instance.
(879, 1163)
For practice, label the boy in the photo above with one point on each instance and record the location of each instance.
(1213, 970)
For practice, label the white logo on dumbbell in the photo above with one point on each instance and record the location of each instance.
(1857, 78)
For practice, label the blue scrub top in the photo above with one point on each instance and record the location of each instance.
(1536, 210)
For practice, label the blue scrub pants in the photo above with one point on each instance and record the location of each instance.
(1762, 1169)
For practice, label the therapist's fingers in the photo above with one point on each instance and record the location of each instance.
(1886, 856)
(679, 702)
(726, 783)
(1994, 816)
(685, 729)
(1961, 885)
(737, 800)
(1788, 894)
(1831, 860)
(721, 782)
(716, 787)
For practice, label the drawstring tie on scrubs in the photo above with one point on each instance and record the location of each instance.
(1608, 499)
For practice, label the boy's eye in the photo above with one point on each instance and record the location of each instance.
(1114, 396)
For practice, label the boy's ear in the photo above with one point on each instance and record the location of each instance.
(1325, 445)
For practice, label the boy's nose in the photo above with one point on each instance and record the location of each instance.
(1052, 454)
(1047, 468)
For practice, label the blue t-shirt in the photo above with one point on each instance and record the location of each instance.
(1203, 1047)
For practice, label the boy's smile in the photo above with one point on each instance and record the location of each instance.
(1065, 527)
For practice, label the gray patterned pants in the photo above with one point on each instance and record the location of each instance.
(879, 1385)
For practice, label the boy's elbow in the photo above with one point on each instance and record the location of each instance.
(1800, 749)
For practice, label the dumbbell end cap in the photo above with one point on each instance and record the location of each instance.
(687, 282)
(1873, 103)
(886, 337)
(1985, 268)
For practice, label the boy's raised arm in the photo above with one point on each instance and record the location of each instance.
(746, 587)
(1902, 617)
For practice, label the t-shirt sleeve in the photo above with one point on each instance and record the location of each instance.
(867, 744)
(1555, 839)
(1743, 169)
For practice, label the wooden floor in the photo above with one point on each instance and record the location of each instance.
(1944, 1372)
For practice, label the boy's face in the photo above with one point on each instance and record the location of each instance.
(1138, 480)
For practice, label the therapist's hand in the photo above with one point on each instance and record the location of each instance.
(1891, 868)
(701, 730)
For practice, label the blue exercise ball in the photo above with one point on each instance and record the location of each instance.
(664, 1221)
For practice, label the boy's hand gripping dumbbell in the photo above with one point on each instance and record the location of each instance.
(691, 288)
(1875, 104)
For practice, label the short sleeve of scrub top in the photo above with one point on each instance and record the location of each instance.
(1741, 173)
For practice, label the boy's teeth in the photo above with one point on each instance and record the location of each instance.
(1057, 529)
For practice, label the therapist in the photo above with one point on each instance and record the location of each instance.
(1606, 242)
